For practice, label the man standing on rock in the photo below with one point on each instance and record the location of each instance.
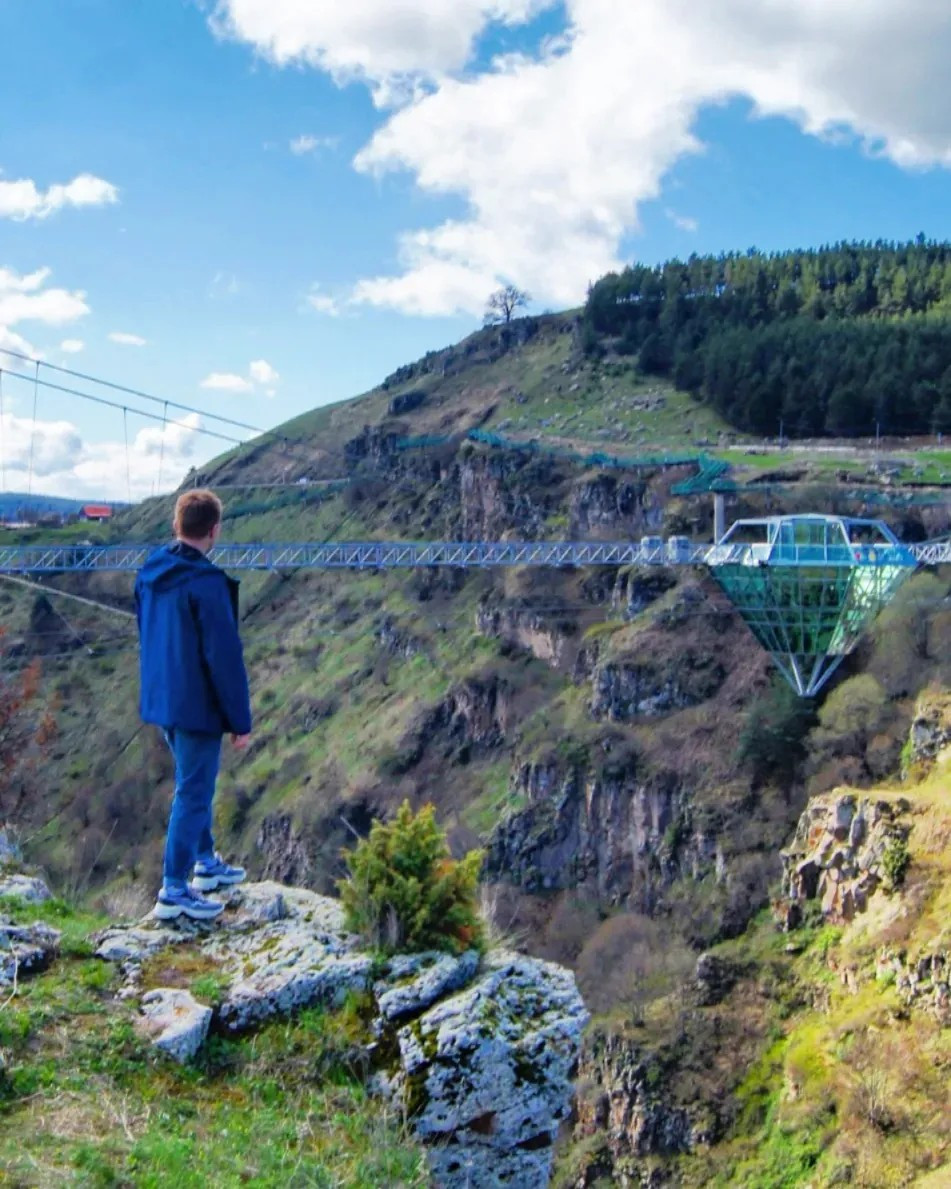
(195, 687)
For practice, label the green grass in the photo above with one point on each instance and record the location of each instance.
(856, 461)
(84, 1100)
(495, 798)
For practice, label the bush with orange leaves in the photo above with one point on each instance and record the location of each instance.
(26, 726)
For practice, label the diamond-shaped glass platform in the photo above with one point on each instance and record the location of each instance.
(808, 586)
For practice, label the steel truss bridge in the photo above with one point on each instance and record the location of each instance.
(375, 555)
(806, 586)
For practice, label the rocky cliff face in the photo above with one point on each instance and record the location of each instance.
(623, 1100)
(639, 686)
(621, 837)
(656, 1099)
(550, 637)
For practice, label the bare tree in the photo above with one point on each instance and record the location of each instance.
(503, 303)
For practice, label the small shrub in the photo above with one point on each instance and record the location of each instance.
(773, 736)
(872, 1098)
(895, 862)
(404, 892)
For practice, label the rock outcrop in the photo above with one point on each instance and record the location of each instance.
(28, 888)
(548, 636)
(623, 1099)
(24, 949)
(923, 982)
(714, 978)
(175, 1021)
(839, 855)
(486, 1073)
(930, 728)
(633, 687)
(480, 1054)
(607, 502)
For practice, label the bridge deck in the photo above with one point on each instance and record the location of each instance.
(372, 555)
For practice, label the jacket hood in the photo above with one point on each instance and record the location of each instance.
(173, 565)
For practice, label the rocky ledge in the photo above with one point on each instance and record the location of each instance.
(923, 982)
(840, 855)
(478, 1052)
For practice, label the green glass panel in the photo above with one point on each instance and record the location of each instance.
(809, 617)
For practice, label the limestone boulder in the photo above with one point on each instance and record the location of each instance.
(29, 888)
(486, 1074)
(415, 981)
(175, 1022)
(25, 949)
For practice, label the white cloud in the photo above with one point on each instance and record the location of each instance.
(54, 307)
(11, 282)
(306, 143)
(260, 375)
(26, 298)
(227, 382)
(386, 43)
(682, 222)
(261, 372)
(322, 303)
(11, 341)
(72, 346)
(55, 446)
(66, 464)
(553, 154)
(23, 199)
(126, 340)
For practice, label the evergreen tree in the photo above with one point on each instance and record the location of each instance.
(834, 340)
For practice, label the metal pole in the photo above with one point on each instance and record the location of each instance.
(719, 517)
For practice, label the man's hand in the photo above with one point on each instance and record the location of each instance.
(240, 741)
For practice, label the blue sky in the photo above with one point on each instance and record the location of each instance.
(447, 147)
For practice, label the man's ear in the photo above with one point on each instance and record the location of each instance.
(215, 532)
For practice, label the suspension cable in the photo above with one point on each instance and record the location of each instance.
(100, 400)
(3, 466)
(64, 594)
(128, 471)
(36, 395)
(161, 458)
(131, 391)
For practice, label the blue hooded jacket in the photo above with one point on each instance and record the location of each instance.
(191, 661)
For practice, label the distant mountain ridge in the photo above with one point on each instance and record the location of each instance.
(13, 502)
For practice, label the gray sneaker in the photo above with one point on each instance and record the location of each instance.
(215, 873)
(173, 904)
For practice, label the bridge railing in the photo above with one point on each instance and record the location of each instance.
(371, 555)
(811, 555)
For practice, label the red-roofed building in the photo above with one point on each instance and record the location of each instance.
(98, 512)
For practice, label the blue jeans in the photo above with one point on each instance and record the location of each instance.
(189, 827)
